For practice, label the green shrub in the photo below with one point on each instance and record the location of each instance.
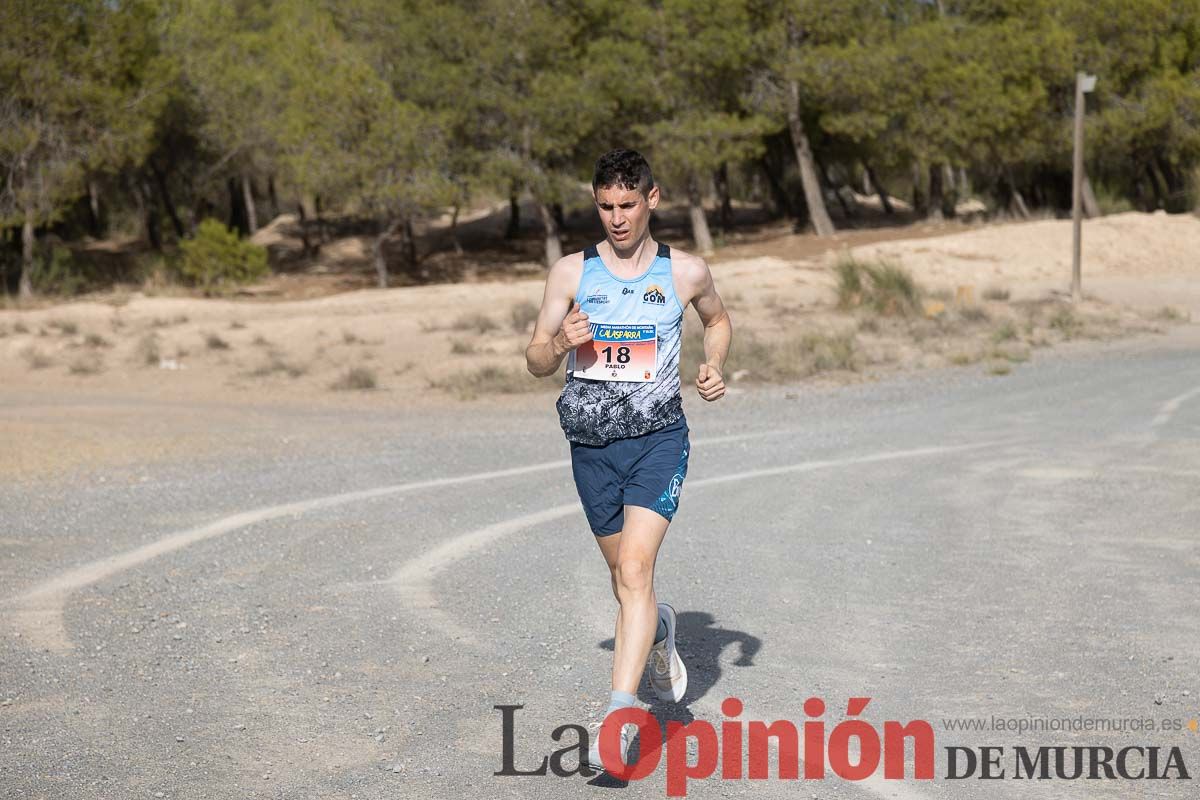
(216, 259)
(885, 288)
(55, 272)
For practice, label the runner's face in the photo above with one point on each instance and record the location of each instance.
(625, 213)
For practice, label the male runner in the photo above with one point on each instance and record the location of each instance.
(616, 310)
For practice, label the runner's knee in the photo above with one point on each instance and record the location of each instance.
(634, 575)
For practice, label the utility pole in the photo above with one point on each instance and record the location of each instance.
(1084, 83)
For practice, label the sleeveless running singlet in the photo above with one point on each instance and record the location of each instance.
(625, 382)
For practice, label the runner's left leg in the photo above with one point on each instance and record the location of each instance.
(631, 555)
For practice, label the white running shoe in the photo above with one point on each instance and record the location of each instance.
(596, 763)
(668, 676)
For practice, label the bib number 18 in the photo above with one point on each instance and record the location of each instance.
(622, 355)
(618, 352)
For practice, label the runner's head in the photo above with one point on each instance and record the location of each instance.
(625, 195)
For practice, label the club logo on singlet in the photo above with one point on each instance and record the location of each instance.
(596, 299)
(654, 296)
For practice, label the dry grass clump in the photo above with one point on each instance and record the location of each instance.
(973, 314)
(89, 363)
(96, 340)
(463, 347)
(996, 293)
(165, 322)
(523, 314)
(355, 379)
(1067, 323)
(1006, 332)
(148, 350)
(65, 326)
(885, 288)
(35, 358)
(475, 321)
(215, 342)
(1172, 314)
(277, 363)
(490, 379)
(794, 357)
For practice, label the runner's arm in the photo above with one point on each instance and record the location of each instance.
(560, 327)
(718, 329)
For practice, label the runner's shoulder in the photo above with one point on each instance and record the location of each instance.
(688, 268)
(567, 269)
(572, 262)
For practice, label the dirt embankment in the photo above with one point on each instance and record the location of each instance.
(992, 295)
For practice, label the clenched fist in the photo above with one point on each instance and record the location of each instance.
(709, 383)
(576, 330)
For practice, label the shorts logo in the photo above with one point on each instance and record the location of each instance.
(676, 484)
(654, 296)
(596, 299)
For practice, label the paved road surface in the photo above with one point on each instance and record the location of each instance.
(339, 620)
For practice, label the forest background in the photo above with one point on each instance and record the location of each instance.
(142, 120)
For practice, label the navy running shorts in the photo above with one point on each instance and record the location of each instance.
(646, 471)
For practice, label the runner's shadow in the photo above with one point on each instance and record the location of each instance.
(700, 643)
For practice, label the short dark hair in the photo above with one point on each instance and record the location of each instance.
(624, 168)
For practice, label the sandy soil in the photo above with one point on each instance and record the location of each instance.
(429, 345)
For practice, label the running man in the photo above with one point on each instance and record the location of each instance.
(616, 312)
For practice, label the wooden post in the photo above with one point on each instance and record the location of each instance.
(1084, 83)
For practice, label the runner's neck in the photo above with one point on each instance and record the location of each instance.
(632, 262)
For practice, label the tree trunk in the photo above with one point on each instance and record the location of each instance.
(25, 285)
(153, 231)
(408, 244)
(949, 193)
(377, 254)
(700, 233)
(936, 199)
(822, 224)
(454, 230)
(514, 216)
(1016, 201)
(165, 196)
(319, 218)
(848, 208)
(1091, 209)
(248, 202)
(1161, 190)
(722, 181)
(872, 180)
(918, 191)
(780, 197)
(94, 207)
(272, 196)
(309, 250)
(550, 229)
(964, 183)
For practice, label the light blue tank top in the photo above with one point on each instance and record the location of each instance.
(596, 412)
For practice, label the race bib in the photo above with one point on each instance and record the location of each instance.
(618, 353)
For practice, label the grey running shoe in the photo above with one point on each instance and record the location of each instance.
(595, 762)
(668, 676)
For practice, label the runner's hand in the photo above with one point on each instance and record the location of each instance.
(709, 383)
(576, 330)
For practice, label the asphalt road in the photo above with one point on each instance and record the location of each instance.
(339, 619)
